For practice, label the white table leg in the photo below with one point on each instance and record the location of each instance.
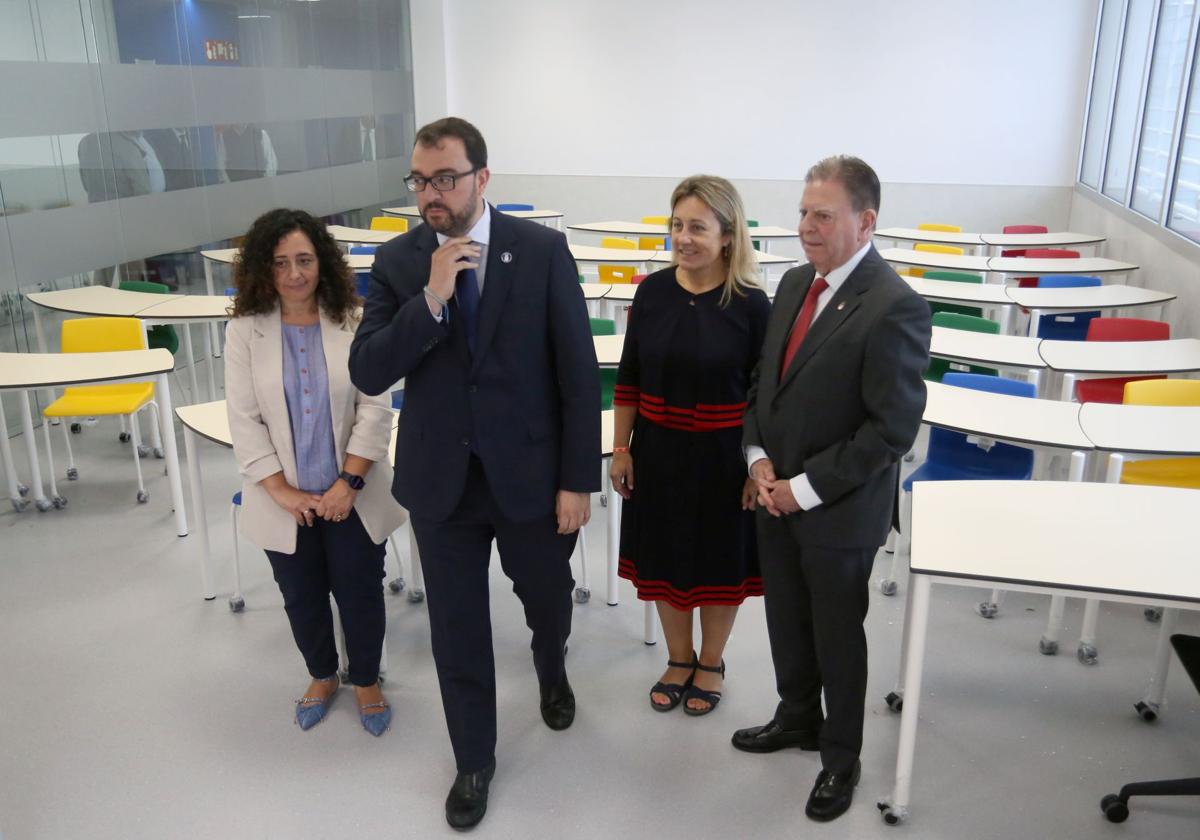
(35, 469)
(196, 488)
(650, 624)
(416, 589)
(16, 491)
(895, 808)
(191, 356)
(895, 699)
(211, 328)
(614, 544)
(1035, 321)
(166, 419)
(1148, 707)
(210, 348)
(1086, 653)
(1048, 644)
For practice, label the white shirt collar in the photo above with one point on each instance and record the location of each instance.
(482, 231)
(838, 276)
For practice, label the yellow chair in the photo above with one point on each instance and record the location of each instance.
(934, 248)
(127, 399)
(616, 273)
(389, 223)
(656, 220)
(939, 228)
(618, 242)
(1163, 472)
(652, 243)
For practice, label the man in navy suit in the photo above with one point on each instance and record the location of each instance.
(482, 316)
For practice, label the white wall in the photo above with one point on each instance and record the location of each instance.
(931, 92)
(427, 18)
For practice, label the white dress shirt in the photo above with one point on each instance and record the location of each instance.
(802, 488)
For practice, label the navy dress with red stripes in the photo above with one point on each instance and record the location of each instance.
(686, 367)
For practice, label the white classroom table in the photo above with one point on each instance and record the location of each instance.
(937, 237)
(931, 259)
(358, 262)
(555, 216)
(765, 233)
(1008, 352)
(1075, 359)
(1024, 266)
(360, 236)
(1086, 298)
(989, 295)
(23, 372)
(995, 241)
(1073, 537)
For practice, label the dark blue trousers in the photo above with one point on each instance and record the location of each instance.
(336, 557)
(455, 555)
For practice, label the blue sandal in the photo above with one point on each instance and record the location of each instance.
(712, 698)
(674, 691)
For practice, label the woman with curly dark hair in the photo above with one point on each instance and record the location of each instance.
(312, 451)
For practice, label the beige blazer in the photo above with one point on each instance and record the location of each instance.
(262, 433)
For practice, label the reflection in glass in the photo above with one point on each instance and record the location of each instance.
(245, 151)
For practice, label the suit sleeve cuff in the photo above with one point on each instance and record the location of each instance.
(754, 453)
(803, 491)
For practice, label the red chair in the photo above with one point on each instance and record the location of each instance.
(1022, 229)
(1042, 254)
(637, 278)
(1118, 329)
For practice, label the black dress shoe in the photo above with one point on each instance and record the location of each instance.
(832, 793)
(771, 737)
(467, 801)
(558, 704)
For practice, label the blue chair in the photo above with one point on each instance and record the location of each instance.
(1068, 326)
(362, 279)
(398, 400)
(504, 208)
(952, 457)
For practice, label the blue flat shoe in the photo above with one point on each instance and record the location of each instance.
(376, 723)
(309, 716)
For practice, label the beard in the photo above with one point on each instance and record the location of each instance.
(452, 224)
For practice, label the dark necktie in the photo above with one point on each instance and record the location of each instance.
(803, 322)
(466, 292)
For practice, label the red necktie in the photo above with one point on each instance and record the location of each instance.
(803, 322)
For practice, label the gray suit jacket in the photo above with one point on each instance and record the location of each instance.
(849, 405)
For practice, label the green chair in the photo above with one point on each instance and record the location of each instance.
(957, 321)
(608, 376)
(954, 277)
(755, 242)
(163, 335)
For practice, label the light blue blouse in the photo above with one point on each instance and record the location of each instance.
(306, 387)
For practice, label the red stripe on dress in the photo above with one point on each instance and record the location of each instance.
(704, 417)
(706, 596)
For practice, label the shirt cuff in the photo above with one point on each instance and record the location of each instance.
(803, 492)
(754, 453)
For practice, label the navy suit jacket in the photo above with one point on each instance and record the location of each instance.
(849, 405)
(528, 402)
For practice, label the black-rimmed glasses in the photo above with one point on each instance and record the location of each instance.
(441, 183)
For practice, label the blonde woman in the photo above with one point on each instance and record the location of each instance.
(687, 534)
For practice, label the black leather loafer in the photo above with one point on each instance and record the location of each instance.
(771, 737)
(832, 793)
(467, 802)
(558, 704)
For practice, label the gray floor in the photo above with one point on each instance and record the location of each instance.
(132, 708)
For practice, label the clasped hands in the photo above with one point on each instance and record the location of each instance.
(774, 494)
(333, 505)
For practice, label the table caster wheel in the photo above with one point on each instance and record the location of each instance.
(143, 497)
(72, 473)
(1153, 614)
(1147, 711)
(887, 587)
(890, 813)
(582, 595)
(396, 585)
(59, 502)
(124, 437)
(1086, 654)
(1115, 809)
(19, 505)
(1047, 647)
(76, 428)
(237, 603)
(986, 609)
(22, 490)
(43, 505)
(158, 453)
(143, 450)
(416, 596)
(894, 701)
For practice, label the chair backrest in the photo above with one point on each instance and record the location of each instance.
(934, 248)
(618, 242)
(940, 227)
(603, 326)
(955, 321)
(656, 220)
(145, 286)
(1163, 392)
(96, 335)
(504, 208)
(1128, 329)
(652, 243)
(637, 278)
(616, 273)
(953, 276)
(1050, 254)
(389, 223)
(1067, 281)
(363, 249)
(946, 446)
(362, 283)
(1026, 229)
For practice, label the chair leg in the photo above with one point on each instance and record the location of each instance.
(416, 593)
(1116, 805)
(155, 430)
(1087, 653)
(142, 495)
(583, 592)
(1048, 644)
(57, 500)
(72, 470)
(237, 603)
(396, 584)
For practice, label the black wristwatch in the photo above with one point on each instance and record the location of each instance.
(355, 481)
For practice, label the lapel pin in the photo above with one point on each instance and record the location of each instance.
(841, 306)
(506, 257)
